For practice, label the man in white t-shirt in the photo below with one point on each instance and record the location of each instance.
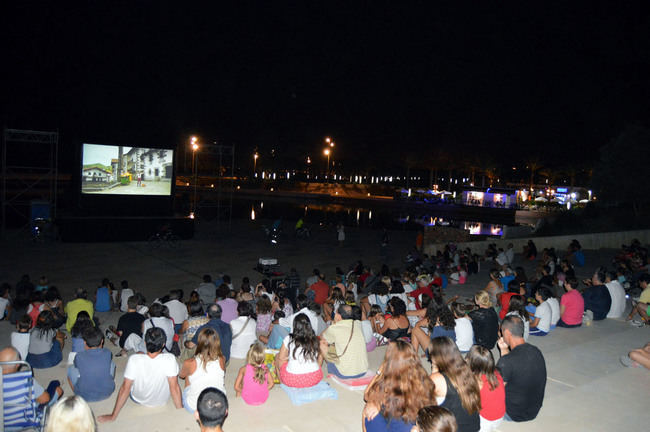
(149, 378)
(125, 293)
(177, 309)
(617, 293)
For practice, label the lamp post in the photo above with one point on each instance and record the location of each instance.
(255, 156)
(195, 171)
(327, 153)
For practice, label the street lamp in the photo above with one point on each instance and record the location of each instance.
(255, 156)
(327, 153)
(195, 170)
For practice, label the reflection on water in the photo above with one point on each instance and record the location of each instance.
(332, 214)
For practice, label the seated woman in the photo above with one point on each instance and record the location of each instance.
(83, 322)
(397, 325)
(400, 388)
(243, 331)
(299, 361)
(493, 393)
(456, 388)
(206, 369)
(54, 302)
(514, 288)
(517, 307)
(196, 320)
(440, 322)
(494, 286)
(485, 321)
(45, 342)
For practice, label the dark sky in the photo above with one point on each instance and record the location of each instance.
(385, 79)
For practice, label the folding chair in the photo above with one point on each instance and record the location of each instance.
(19, 409)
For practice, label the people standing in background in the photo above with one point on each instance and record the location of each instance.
(340, 230)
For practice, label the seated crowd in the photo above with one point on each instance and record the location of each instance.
(483, 368)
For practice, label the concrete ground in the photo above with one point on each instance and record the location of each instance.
(587, 388)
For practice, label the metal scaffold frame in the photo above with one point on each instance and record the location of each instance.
(26, 177)
(224, 153)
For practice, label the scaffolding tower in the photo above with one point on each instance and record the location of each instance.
(224, 156)
(29, 173)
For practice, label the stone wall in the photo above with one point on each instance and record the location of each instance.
(606, 240)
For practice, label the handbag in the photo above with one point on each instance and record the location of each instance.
(332, 356)
(241, 330)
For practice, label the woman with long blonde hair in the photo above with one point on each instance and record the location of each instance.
(206, 369)
(457, 388)
(398, 391)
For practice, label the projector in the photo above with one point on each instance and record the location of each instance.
(268, 261)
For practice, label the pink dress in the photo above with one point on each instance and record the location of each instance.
(253, 392)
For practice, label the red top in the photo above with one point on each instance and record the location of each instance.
(493, 402)
(505, 303)
(421, 290)
(322, 290)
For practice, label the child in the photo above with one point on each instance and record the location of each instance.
(349, 298)
(333, 302)
(493, 393)
(125, 293)
(20, 338)
(264, 317)
(83, 322)
(92, 376)
(435, 419)
(36, 306)
(464, 330)
(284, 303)
(254, 379)
(274, 339)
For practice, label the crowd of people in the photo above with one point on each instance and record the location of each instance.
(483, 370)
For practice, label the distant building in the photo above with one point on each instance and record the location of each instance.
(95, 174)
(490, 197)
(152, 164)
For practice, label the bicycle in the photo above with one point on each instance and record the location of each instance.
(164, 237)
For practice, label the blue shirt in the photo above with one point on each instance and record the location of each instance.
(103, 302)
(225, 335)
(381, 424)
(95, 381)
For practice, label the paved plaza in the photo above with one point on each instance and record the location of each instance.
(587, 389)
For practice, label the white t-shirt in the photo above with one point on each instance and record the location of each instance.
(164, 323)
(298, 365)
(617, 293)
(545, 314)
(366, 328)
(464, 334)
(246, 338)
(313, 320)
(177, 311)
(3, 306)
(149, 376)
(555, 310)
(124, 297)
(20, 341)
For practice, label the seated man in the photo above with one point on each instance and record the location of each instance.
(643, 306)
(149, 378)
(177, 309)
(92, 376)
(320, 290)
(129, 323)
(211, 410)
(223, 329)
(351, 358)
(15, 387)
(523, 369)
(596, 296)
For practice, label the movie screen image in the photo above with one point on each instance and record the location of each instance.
(121, 170)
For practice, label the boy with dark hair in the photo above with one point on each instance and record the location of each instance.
(211, 410)
(129, 323)
(92, 376)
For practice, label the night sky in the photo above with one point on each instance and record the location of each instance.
(386, 80)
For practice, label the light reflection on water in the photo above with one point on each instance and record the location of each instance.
(332, 214)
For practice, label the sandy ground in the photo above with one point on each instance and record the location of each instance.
(587, 388)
